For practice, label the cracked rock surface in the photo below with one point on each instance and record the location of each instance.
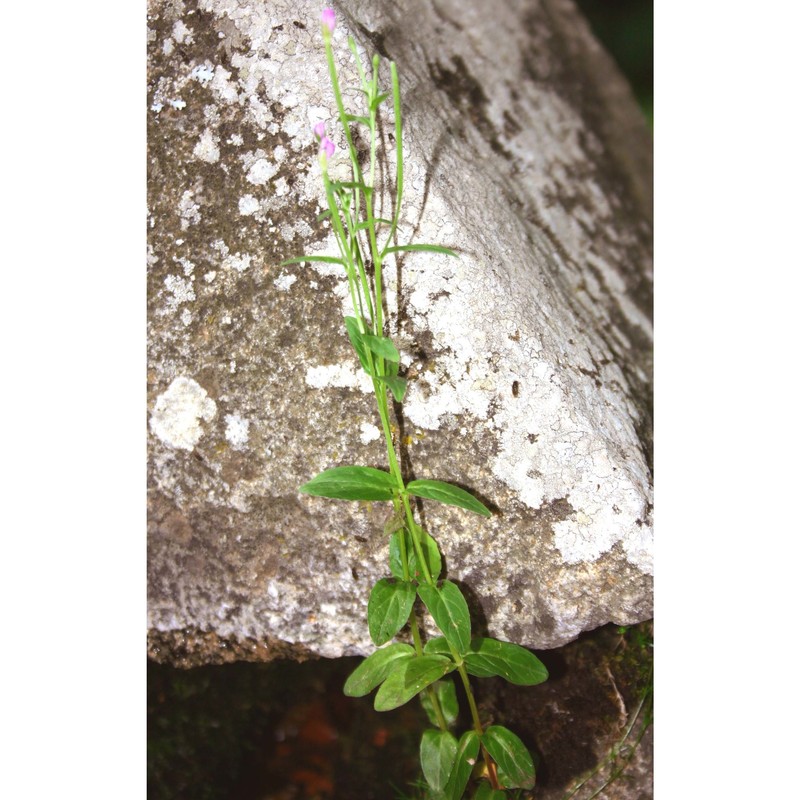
(529, 357)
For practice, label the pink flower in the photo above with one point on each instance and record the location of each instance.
(328, 20)
(327, 145)
(324, 142)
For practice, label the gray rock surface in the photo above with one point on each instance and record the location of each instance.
(530, 356)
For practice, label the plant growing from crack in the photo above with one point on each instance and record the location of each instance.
(493, 756)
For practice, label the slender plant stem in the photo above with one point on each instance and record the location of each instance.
(361, 296)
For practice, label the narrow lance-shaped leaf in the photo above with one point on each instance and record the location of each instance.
(466, 755)
(390, 604)
(437, 753)
(372, 671)
(351, 483)
(357, 340)
(322, 259)
(447, 493)
(449, 610)
(409, 679)
(487, 657)
(511, 755)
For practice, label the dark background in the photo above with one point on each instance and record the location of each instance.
(625, 27)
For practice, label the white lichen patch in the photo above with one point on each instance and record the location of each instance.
(284, 282)
(181, 33)
(207, 147)
(369, 432)
(343, 376)
(237, 431)
(248, 205)
(261, 171)
(204, 73)
(237, 261)
(181, 290)
(188, 210)
(176, 417)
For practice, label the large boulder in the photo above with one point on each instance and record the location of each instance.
(529, 357)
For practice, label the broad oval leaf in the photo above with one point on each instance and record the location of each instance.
(390, 603)
(511, 755)
(437, 754)
(449, 494)
(381, 346)
(487, 657)
(449, 610)
(373, 670)
(445, 691)
(352, 483)
(437, 646)
(466, 755)
(410, 678)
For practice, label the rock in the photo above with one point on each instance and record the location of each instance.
(530, 356)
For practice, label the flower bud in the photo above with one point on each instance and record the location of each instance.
(328, 20)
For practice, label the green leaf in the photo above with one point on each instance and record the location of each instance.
(397, 385)
(374, 669)
(352, 483)
(389, 606)
(350, 185)
(437, 753)
(324, 259)
(357, 340)
(466, 755)
(487, 657)
(428, 248)
(485, 792)
(365, 225)
(445, 691)
(361, 120)
(430, 551)
(447, 493)
(449, 611)
(437, 646)
(511, 755)
(381, 346)
(409, 678)
(395, 560)
(324, 215)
